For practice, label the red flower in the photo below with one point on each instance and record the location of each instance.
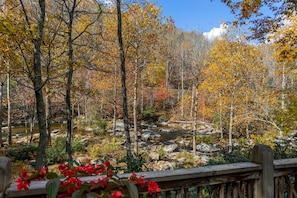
(72, 183)
(106, 163)
(43, 171)
(116, 194)
(22, 184)
(109, 173)
(62, 167)
(137, 180)
(152, 187)
(24, 174)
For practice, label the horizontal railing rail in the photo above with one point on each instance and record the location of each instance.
(263, 177)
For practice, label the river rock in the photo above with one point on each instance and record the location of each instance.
(167, 130)
(154, 155)
(55, 132)
(170, 148)
(83, 160)
(206, 148)
(164, 165)
(164, 123)
(120, 125)
(89, 129)
(150, 135)
(142, 144)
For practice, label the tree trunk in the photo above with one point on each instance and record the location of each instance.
(231, 122)
(71, 12)
(25, 112)
(142, 92)
(124, 89)
(8, 105)
(283, 98)
(182, 86)
(247, 132)
(192, 102)
(135, 104)
(32, 125)
(48, 115)
(68, 94)
(195, 89)
(38, 85)
(115, 92)
(1, 113)
(221, 121)
(69, 113)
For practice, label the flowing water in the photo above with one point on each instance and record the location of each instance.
(22, 130)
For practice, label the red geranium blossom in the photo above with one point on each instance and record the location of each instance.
(72, 181)
(22, 184)
(137, 180)
(153, 187)
(117, 194)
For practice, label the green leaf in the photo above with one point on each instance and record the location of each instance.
(34, 175)
(77, 194)
(132, 189)
(51, 175)
(92, 195)
(52, 188)
(85, 187)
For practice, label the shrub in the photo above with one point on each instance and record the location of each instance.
(162, 153)
(22, 152)
(267, 138)
(283, 150)
(238, 154)
(108, 147)
(149, 114)
(137, 163)
(57, 153)
(101, 124)
(207, 139)
(78, 146)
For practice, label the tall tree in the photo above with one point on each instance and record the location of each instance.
(124, 88)
(8, 103)
(38, 84)
(23, 32)
(198, 66)
(283, 43)
(70, 12)
(233, 84)
(142, 26)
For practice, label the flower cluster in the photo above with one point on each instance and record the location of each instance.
(23, 182)
(152, 186)
(108, 184)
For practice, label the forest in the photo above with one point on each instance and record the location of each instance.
(70, 60)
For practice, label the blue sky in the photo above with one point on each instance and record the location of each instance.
(198, 15)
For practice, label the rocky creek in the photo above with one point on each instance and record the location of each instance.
(167, 146)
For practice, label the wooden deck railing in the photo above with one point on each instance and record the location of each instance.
(263, 177)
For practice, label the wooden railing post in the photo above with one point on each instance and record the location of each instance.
(263, 155)
(5, 174)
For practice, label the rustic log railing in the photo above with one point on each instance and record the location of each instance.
(263, 177)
